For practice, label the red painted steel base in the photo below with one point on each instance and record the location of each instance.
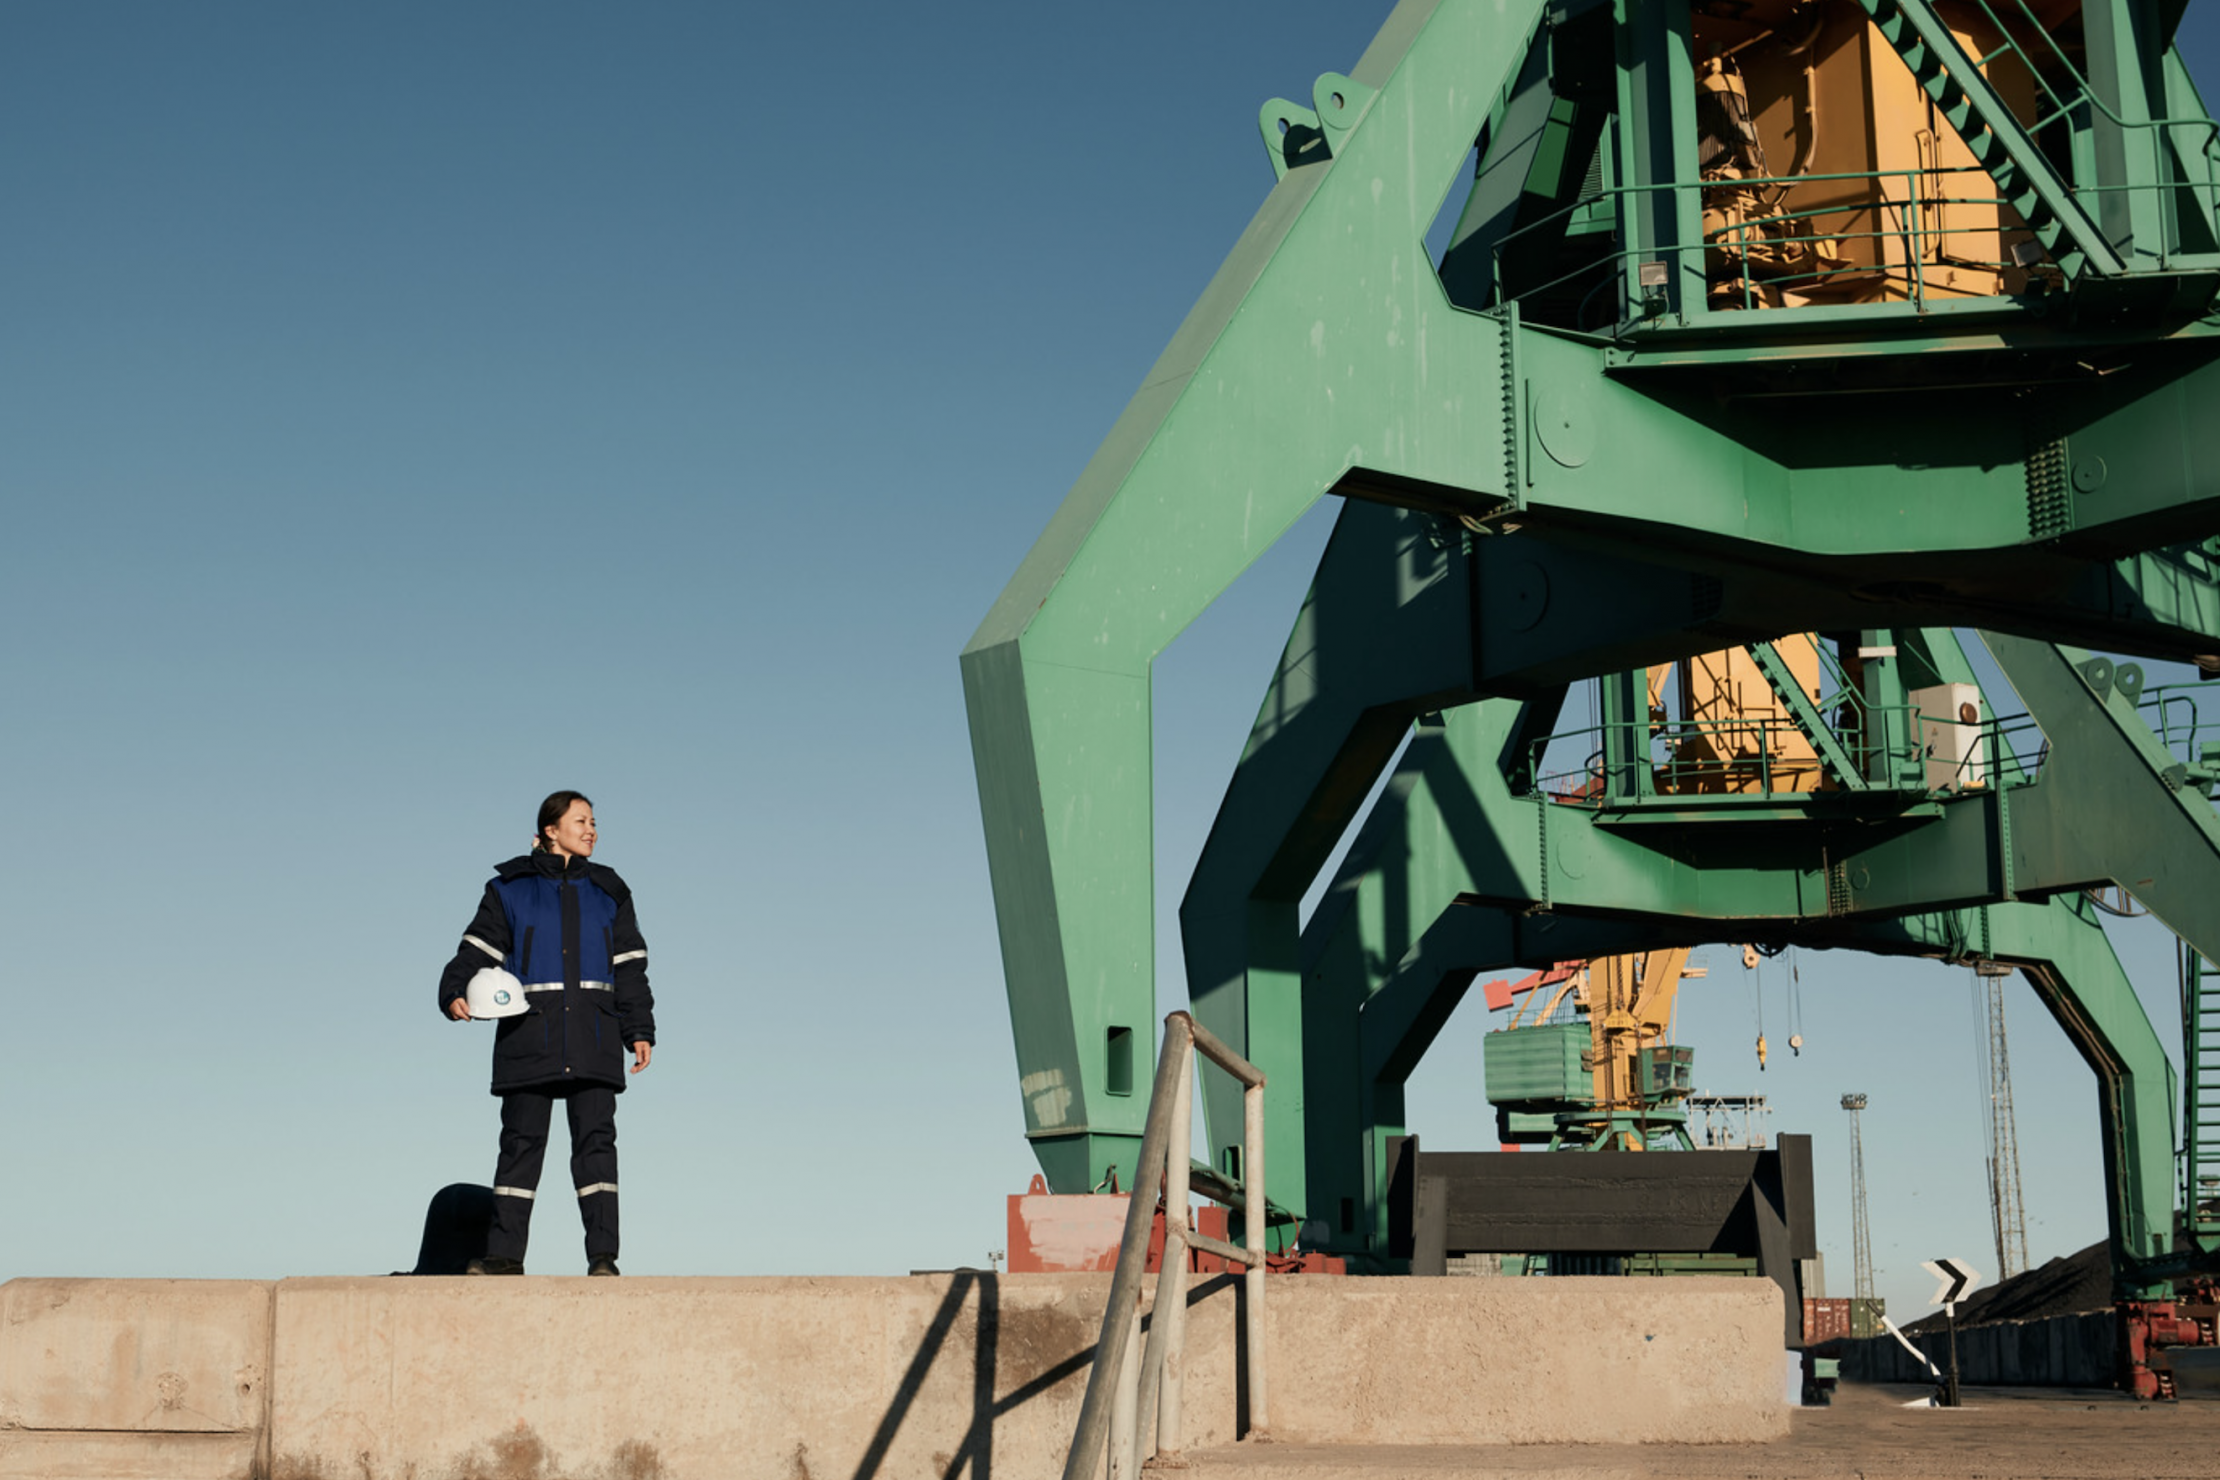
(2149, 1327)
(1052, 1233)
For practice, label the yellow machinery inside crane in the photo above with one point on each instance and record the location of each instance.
(1833, 179)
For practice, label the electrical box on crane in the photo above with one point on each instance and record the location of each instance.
(1951, 733)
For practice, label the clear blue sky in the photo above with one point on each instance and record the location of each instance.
(411, 409)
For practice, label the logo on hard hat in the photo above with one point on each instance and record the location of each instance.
(501, 998)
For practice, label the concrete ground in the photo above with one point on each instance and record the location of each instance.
(2001, 1434)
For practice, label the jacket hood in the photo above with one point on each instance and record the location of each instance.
(554, 866)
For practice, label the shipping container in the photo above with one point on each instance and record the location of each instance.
(1826, 1320)
(1533, 1064)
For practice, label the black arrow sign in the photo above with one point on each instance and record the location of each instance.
(1957, 1277)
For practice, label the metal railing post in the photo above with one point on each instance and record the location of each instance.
(1125, 1283)
(1125, 1451)
(1181, 1120)
(1252, 1190)
(1914, 246)
(1171, 1280)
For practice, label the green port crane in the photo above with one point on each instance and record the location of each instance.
(1879, 321)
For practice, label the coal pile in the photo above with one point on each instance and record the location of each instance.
(2063, 1287)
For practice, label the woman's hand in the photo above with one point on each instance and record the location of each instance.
(459, 1010)
(641, 1053)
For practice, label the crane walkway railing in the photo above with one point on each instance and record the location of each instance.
(1126, 1381)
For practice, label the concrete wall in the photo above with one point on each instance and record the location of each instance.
(805, 1379)
(124, 1379)
(2059, 1351)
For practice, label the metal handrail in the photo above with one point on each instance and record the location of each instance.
(1911, 231)
(1125, 1382)
(1767, 762)
(1619, 258)
(2161, 706)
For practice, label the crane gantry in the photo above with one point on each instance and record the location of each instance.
(1881, 320)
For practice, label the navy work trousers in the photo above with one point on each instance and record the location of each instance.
(525, 1115)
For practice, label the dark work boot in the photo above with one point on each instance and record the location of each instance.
(494, 1265)
(602, 1266)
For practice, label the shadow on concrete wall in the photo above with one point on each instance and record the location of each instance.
(976, 1452)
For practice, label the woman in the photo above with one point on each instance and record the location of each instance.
(563, 926)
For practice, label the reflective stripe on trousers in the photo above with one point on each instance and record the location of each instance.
(525, 1119)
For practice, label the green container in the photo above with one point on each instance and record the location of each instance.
(1525, 1065)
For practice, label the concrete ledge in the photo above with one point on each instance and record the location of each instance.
(169, 1356)
(151, 1456)
(676, 1377)
(1526, 1361)
(729, 1379)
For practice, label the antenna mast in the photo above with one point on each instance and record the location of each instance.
(1861, 1234)
(2007, 1212)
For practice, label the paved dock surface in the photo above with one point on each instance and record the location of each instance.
(2001, 1434)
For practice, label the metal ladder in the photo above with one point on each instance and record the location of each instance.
(2200, 1119)
(1962, 95)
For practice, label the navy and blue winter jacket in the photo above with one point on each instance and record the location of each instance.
(565, 928)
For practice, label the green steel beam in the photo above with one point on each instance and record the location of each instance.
(2110, 804)
(1554, 606)
(2074, 971)
(2124, 61)
(1655, 147)
(1676, 474)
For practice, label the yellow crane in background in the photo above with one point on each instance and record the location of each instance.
(1604, 1074)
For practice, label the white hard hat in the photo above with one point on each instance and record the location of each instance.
(493, 993)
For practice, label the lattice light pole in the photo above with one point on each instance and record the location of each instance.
(2007, 1211)
(1861, 1235)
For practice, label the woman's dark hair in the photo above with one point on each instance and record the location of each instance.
(551, 812)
